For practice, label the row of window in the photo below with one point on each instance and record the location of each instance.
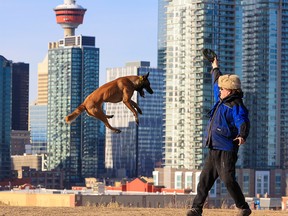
(262, 182)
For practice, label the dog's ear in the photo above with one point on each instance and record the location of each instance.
(146, 75)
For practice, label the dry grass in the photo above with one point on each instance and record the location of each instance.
(120, 211)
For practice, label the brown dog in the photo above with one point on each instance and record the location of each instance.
(120, 89)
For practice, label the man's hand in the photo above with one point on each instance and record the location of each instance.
(215, 63)
(239, 140)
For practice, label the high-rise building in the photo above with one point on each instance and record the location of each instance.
(5, 116)
(161, 43)
(73, 73)
(38, 129)
(190, 27)
(38, 112)
(238, 39)
(20, 100)
(250, 38)
(20, 96)
(137, 150)
(265, 73)
(42, 96)
(282, 54)
(19, 140)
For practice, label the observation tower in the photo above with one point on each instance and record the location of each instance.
(69, 15)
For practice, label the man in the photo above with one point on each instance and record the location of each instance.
(228, 128)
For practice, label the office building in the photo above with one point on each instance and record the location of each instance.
(190, 27)
(73, 73)
(19, 140)
(38, 128)
(250, 38)
(161, 44)
(137, 150)
(5, 116)
(265, 74)
(38, 113)
(42, 96)
(20, 100)
(20, 96)
(31, 161)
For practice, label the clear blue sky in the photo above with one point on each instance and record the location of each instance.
(125, 31)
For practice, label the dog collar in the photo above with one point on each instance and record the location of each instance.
(140, 80)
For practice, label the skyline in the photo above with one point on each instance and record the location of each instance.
(125, 31)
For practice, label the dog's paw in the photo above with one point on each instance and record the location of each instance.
(67, 120)
(117, 131)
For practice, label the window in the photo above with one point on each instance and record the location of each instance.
(197, 177)
(246, 183)
(178, 180)
(278, 184)
(262, 182)
(156, 177)
(188, 180)
(223, 189)
(212, 192)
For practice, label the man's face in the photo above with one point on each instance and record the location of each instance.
(224, 93)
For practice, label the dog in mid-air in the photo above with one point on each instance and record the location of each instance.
(120, 89)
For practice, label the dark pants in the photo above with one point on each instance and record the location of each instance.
(219, 164)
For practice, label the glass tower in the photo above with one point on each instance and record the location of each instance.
(38, 128)
(73, 73)
(250, 38)
(265, 73)
(38, 112)
(282, 54)
(5, 116)
(238, 38)
(137, 150)
(191, 26)
(20, 96)
(161, 43)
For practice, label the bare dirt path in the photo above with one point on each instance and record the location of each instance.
(119, 211)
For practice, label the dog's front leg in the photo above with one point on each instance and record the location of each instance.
(127, 102)
(130, 107)
(134, 104)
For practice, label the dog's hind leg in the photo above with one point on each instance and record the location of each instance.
(134, 104)
(99, 114)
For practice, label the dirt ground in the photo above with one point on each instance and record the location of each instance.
(119, 211)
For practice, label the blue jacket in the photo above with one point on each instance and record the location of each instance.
(228, 119)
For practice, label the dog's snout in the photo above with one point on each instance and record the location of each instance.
(149, 90)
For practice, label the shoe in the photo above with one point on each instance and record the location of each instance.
(209, 54)
(193, 212)
(244, 212)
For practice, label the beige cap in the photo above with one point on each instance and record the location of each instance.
(229, 81)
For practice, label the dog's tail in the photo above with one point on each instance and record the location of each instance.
(69, 118)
